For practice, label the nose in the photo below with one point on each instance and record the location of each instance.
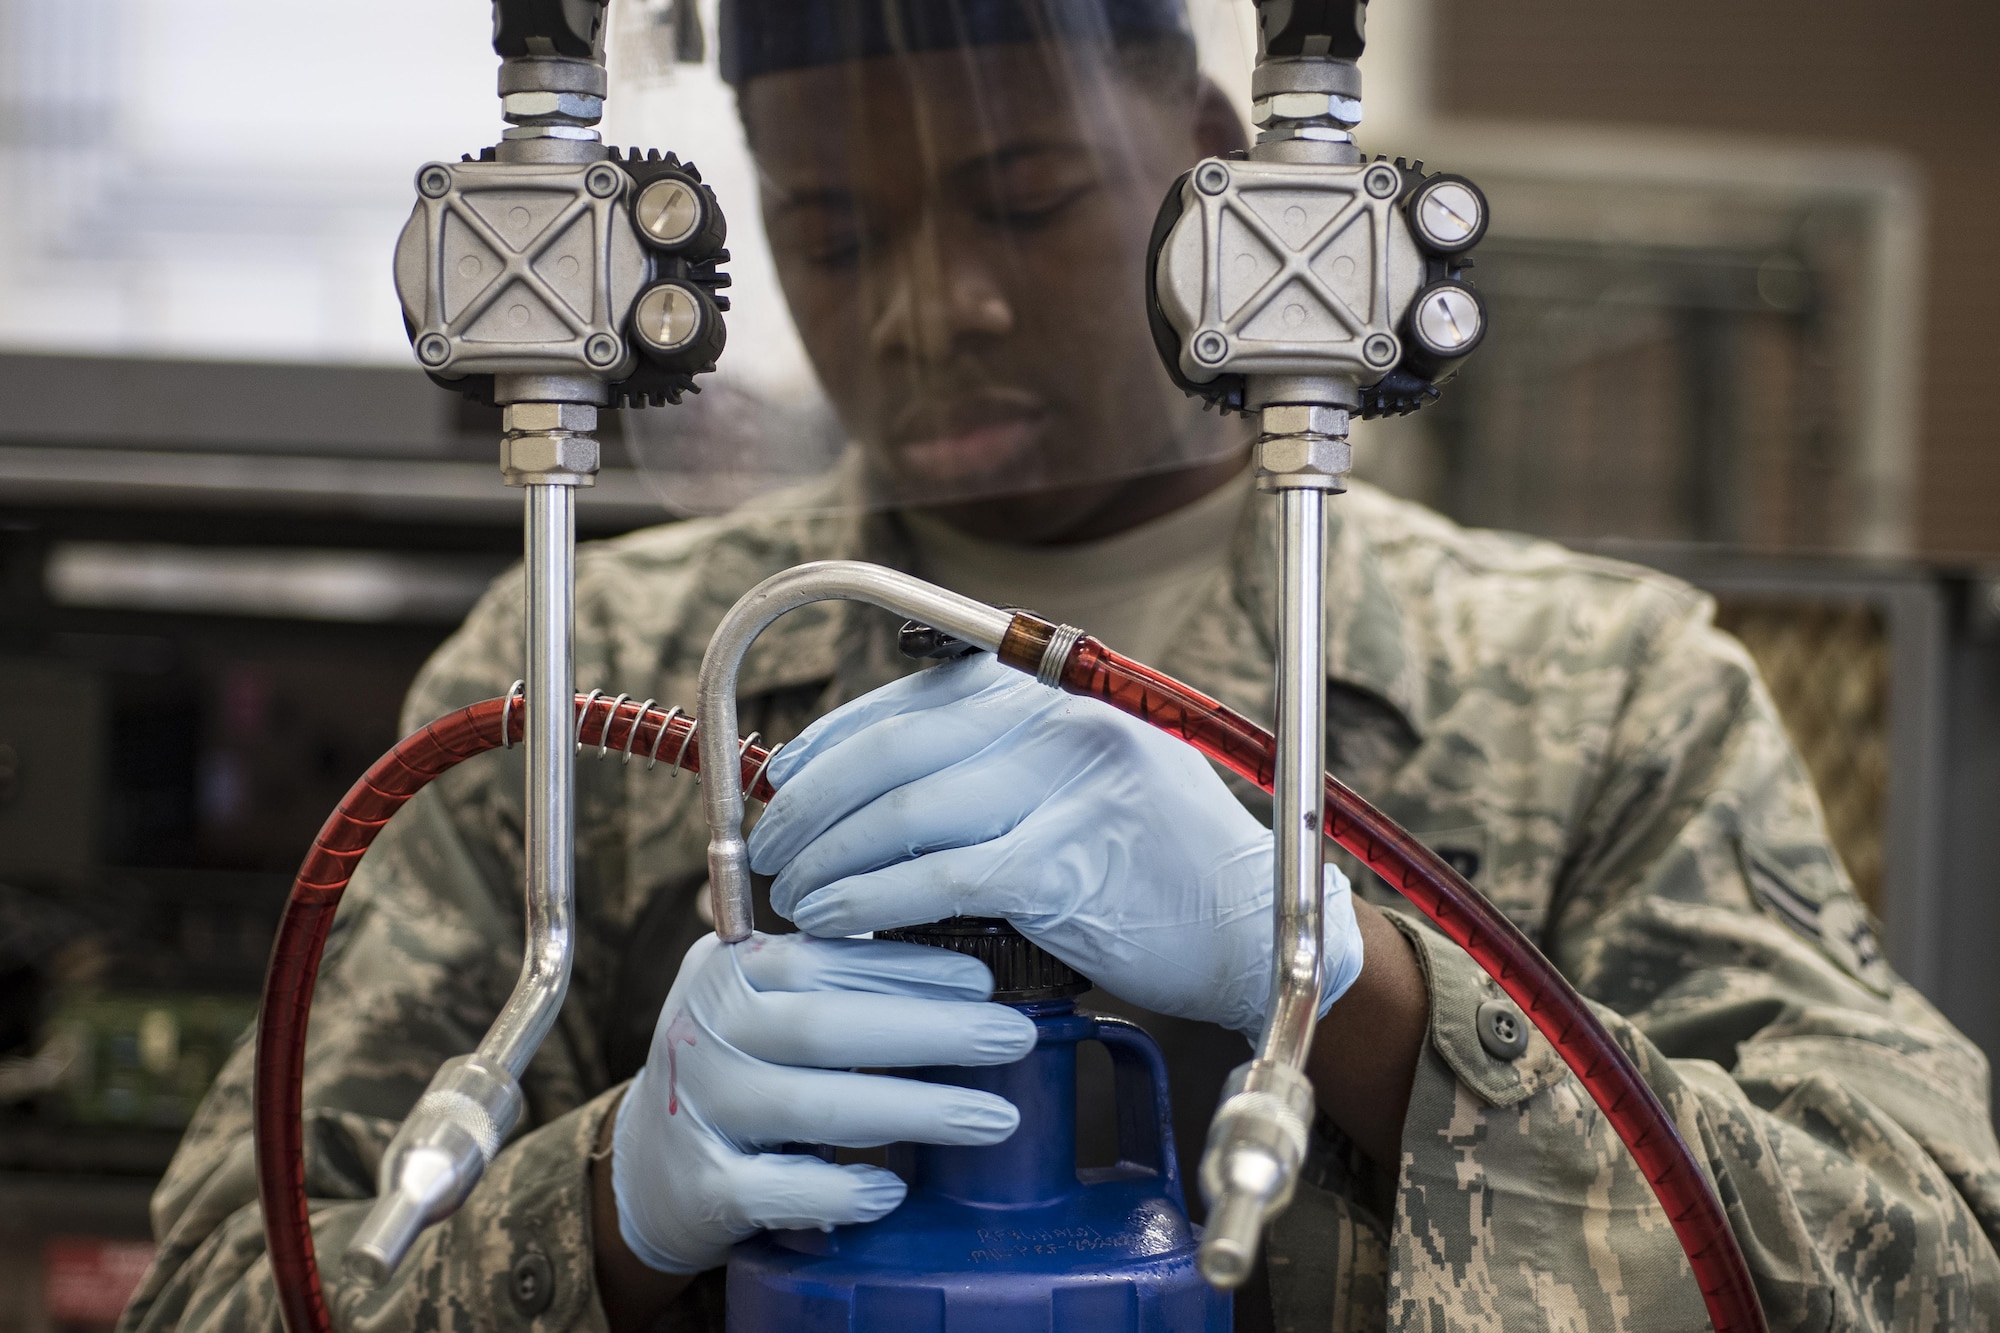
(941, 292)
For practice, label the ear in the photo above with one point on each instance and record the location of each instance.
(1218, 128)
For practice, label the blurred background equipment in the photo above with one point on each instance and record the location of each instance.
(1748, 316)
(1703, 342)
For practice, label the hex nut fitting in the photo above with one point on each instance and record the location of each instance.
(559, 74)
(1304, 419)
(555, 459)
(540, 418)
(1305, 74)
(551, 129)
(1306, 106)
(542, 105)
(1318, 462)
(548, 444)
(1322, 455)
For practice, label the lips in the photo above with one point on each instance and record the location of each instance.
(996, 434)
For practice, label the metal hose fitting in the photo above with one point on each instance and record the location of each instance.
(1250, 1165)
(444, 1146)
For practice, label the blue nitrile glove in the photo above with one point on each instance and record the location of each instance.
(971, 790)
(752, 1051)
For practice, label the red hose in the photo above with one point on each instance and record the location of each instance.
(1473, 923)
(295, 956)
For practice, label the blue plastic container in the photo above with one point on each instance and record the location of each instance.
(1011, 1238)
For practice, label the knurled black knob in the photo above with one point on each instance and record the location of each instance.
(1022, 970)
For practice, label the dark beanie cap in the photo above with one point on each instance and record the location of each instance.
(766, 36)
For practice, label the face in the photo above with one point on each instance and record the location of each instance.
(961, 237)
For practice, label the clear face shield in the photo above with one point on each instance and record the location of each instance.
(955, 199)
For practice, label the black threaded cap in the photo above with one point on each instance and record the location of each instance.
(1022, 970)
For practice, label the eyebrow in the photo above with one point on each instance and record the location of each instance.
(1002, 158)
(816, 196)
(971, 170)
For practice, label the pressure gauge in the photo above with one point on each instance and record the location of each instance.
(676, 213)
(679, 324)
(1448, 214)
(1447, 320)
(668, 318)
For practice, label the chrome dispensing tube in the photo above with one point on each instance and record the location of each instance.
(1297, 961)
(474, 1101)
(1257, 1141)
(549, 742)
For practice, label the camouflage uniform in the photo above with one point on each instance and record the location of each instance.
(1571, 731)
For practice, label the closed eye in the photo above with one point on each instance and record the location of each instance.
(1029, 185)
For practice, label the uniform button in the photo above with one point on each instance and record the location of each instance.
(532, 1284)
(1502, 1030)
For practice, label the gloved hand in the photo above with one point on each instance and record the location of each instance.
(972, 790)
(752, 1051)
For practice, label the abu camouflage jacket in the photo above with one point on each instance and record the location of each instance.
(1572, 732)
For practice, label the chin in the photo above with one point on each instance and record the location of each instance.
(1025, 517)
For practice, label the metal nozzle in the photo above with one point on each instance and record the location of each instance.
(1251, 1164)
(438, 1155)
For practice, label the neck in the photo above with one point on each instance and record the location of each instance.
(1088, 514)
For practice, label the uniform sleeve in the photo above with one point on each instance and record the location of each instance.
(1845, 1124)
(424, 951)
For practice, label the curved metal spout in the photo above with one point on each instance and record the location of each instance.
(722, 783)
(1257, 1143)
(473, 1102)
